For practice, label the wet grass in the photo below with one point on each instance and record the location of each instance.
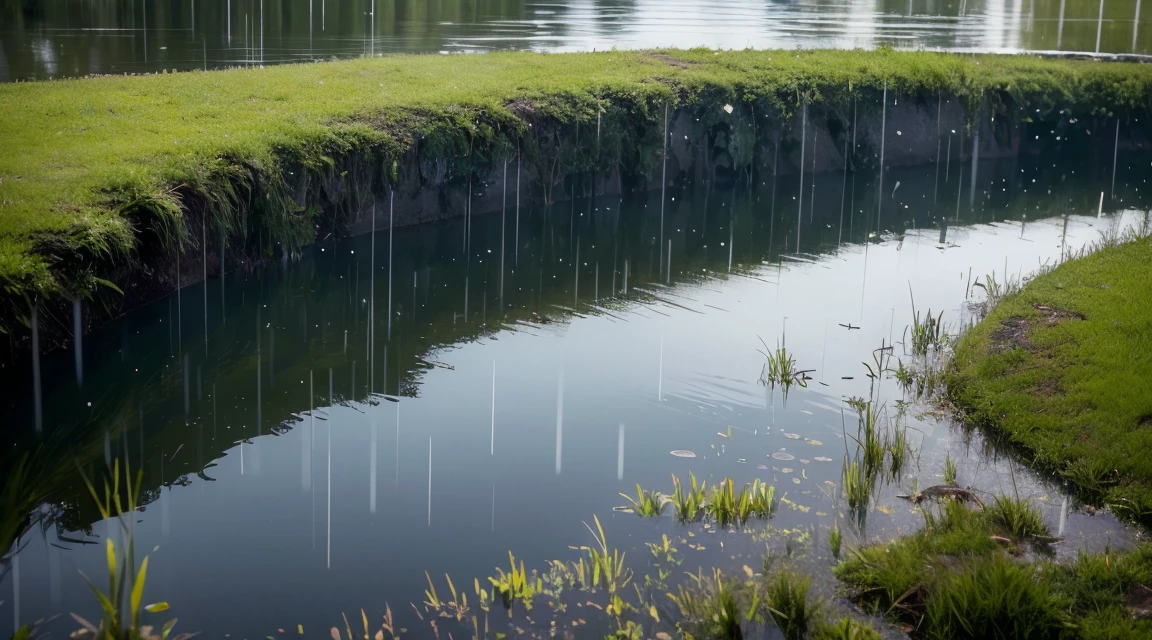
(1062, 371)
(955, 578)
(98, 171)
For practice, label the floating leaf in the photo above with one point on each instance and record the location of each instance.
(748, 571)
(762, 467)
(792, 436)
(156, 607)
(822, 459)
(683, 453)
(780, 455)
(813, 441)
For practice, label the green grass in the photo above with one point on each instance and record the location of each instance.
(96, 171)
(1068, 379)
(953, 580)
(786, 594)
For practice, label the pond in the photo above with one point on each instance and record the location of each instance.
(525, 367)
(40, 39)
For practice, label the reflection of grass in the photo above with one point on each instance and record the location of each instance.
(1063, 370)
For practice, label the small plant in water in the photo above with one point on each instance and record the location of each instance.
(688, 504)
(1017, 517)
(928, 334)
(647, 503)
(856, 482)
(949, 470)
(786, 594)
(780, 368)
(712, 608)
(835, 539)
(513, 586)
(121, 605)
(606, 565)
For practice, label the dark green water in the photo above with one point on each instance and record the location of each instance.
(40, 39)
(297, 466)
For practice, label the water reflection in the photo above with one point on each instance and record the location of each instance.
(40, 39)
(555, 349)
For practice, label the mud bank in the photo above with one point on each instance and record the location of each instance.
(228, 170)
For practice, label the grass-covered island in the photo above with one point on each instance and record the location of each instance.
(104, 181)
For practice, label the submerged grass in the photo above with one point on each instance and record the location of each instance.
(106, 166)
(1062, 370)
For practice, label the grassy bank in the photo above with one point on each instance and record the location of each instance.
(959, 577)
(1063, 370)
(99, 174)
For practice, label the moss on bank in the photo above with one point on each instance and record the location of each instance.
(1063, 370)
(102, 175)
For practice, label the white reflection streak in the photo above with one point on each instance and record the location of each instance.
(660, 381)
(492, 445)
(620, 453)
(429, 482)
(306, 443)
(559, 420)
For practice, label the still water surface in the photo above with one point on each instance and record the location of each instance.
(41, 39)
(298, 466)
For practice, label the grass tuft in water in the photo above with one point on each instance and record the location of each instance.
(845, 629)
(688, 504)
(786, 595)
(711, 607)
(512, 586)
(1016, 517)
(122, 604)
(780, 368)
(648, 504)
(835, 540)
(950, 471)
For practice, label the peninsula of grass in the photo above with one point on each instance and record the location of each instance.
(1062, 370)
(103, 179)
